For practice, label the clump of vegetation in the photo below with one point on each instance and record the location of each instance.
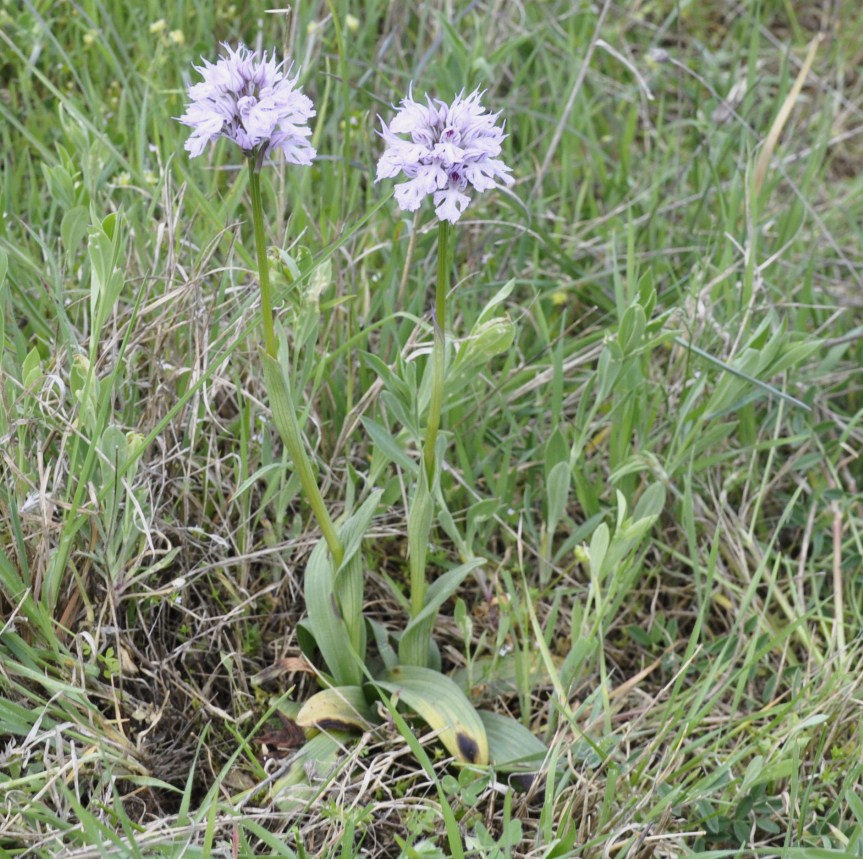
(331, 526)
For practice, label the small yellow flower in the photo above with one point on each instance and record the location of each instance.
(582, 554)
(177, 37)
(89, 38)
(352, 23)
(158, 26)
(312, 28)
(558, 298)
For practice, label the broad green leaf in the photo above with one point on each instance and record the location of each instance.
(622, 508)
(353, 531)
(500, 296)
(308, 644)
(397, 386)
(344, 594)
(811, 722)
(325, 620)
(348, 587)
(484, 342)
(73, 229)
(387, 445)
(556, 451)
(109, 225)
(31, 368)
(443, 706)
(510, 744)
(598, 548)
(382, 643)
(400, 412)
(62, 184)
(557, 489)
(339, 708)
(651, 503)
(631, 328)
(446, 522)
(419, 528)
(280, 404)
(114, 449)
(750, 777)
(792, 355)
(414, 643)
(349, 579)
(106, 276)
(481, 511)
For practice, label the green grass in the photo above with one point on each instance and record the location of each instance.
(679, 333)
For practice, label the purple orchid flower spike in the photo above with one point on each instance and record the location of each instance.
(252, 100)
(450, 147)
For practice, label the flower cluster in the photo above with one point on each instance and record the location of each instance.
(442, 149)
(451, 146)
(253, 101)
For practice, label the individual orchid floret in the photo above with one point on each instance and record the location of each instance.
(252, 100)
(448, 148)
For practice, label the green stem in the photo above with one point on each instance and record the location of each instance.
(289, 426)
(263, 266)
(442, 272)
(438, 352)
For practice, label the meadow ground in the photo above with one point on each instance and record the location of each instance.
(661, 470)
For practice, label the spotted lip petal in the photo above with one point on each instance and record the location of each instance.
(251, 99)
(451, 149)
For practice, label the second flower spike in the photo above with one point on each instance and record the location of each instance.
(448, 148)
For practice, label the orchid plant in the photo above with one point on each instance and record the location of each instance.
(451, 147)
(442, 150)
(252, 101)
